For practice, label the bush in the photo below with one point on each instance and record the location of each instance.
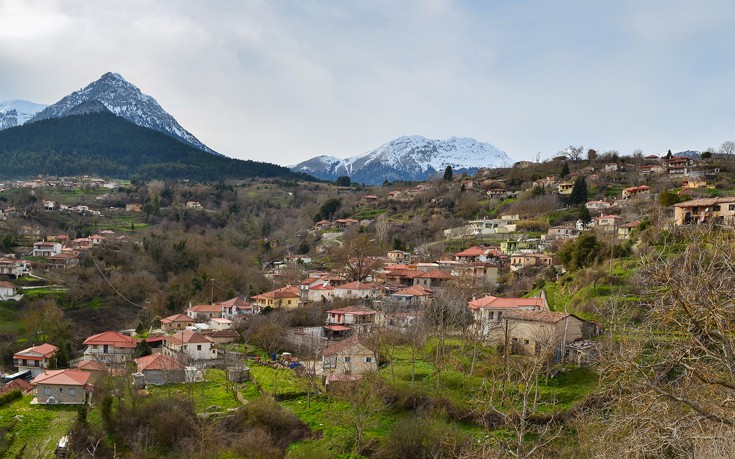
(264, 413)
(9, 397)
(424, 437)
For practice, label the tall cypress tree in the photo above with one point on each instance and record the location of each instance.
(448, 174)
(564, 170)
(579, 191)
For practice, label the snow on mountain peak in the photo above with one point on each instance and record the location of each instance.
(127, 101)
(412, 157)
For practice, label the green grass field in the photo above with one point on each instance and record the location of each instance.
(33, 430)
(209, 396)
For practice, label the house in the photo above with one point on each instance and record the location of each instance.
(160, 369)
(189, 346)
(96, 239)
(348, 357)
(524, 260)
(220, 323)
(235, 308)
(320, 292)
(536, 332)
(110, 347)
(358, 290)
(355, 318)
(82, 243)
(416, 294)
(65, 387)
(204, 312)
(285, 297)
(706, 210)
(636, 191)
(565, 187)
(224, 336)
(488, 310)
(46, 249)
(399, 256)
(63, 261)
(479, 272)
(597, 205)
(35, 359)
(607, 222)
(193, 205)
(49, 205)
(476, 253)
(9, 291)
(133, 207)
(563, 232)
(14, 267)
(176, 322)
(626, 229)
(94, 367)
(16, 384)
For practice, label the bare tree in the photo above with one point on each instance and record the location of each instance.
(728, 147)
(356, 259)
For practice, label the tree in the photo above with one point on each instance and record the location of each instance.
(343, 181)
(678, 361)
(581, 252)
(366, 404)
(591, 154)
(579, 191)
(327, 210)
(669, 155)
(564, 170)
(142, 349)
(728, 147)
(574, 153)
(448, 174)
(584, 214)
(357, 258)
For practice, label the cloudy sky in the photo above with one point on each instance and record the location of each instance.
(282, 81)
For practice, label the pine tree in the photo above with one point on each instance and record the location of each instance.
(564, 170)
(579, 192)
(448, 174)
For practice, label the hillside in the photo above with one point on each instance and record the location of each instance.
(101, 143)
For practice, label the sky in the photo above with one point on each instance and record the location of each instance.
(283, 81)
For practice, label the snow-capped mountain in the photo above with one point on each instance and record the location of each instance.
(16, 112)
(127, 101)
(408, 158)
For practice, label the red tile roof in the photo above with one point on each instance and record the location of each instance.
(21, 384)
(91, 365)
(176, 318)
(158, 362)
(206, 308)
(343, 345)
(416, 290)
(44, 350)
(283, 292)
(538, 316)
(187, 337)
(354, 310)
(357, 285)
(62, 377)
(496, 302)
(113, 338)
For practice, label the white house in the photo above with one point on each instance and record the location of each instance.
(35, 359)
(9, 291)
(46, 249)
(191, 345)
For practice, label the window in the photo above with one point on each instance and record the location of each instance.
(72, 391)
(347, 359)
(46, 391)
(731, 207)
(368, 360)
(716, 208)
(525, 341)
(199, 347)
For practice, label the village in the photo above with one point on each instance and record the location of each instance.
(336, 303)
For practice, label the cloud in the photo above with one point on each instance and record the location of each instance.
(283, 81)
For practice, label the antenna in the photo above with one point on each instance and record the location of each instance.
(538, 157)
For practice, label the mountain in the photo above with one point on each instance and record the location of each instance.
(16, 112)
(408, 158)
(126, 100)
(95, 141)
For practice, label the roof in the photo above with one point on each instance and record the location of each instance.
(434, 274)
(176, 318)
(44, 350)
(354, 310)
(6, 284)
(705, 202)
(416, 290)
(237, 301)
(538, 316)
(206, 308)
(474, 251)
(343, 345)
(91, 365)
(21, 384)
(114, 338)
(343, 378)
(158, 362)
(62, 377)
(490, 301)
(337, 328)
(283, 292)
(228, 333)
(187, 337)
(221, 320)
(357, 285)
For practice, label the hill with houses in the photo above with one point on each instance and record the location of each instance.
(408, 304)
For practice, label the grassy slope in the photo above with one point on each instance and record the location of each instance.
(34, 429)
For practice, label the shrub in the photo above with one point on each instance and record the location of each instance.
(9, 397)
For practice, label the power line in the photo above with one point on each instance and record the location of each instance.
(112, 286)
